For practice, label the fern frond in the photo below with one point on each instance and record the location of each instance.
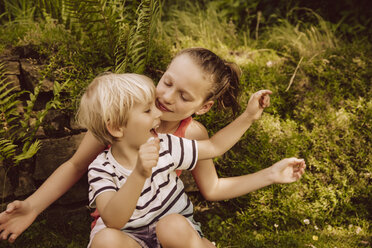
(98, 20)
(132, 56)
(28, 151)
(7, 148)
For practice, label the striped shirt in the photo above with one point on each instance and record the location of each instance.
(163, 192)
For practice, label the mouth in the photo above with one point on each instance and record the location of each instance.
(161, 107)
(153, 130)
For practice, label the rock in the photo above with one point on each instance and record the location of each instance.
(46, 85)
(53, 153)
(57, 123)
(15, 82)
(30, 73)
(7, 191)
(8, 55)
(26, 185)
(12, 68)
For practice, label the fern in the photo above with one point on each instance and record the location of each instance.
(17, 135)
(7, 148)
(20, 10)
(118, 31)
(97, 18)
(134, 43)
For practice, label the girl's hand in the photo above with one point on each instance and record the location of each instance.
(257, 103)
(148, 156)
(288, 170)
(15, 219)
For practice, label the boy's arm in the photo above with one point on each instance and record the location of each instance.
(19, 215)
(116, 208)
(224, 139)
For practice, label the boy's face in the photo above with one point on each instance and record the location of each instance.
(143, 119)
(182, 89)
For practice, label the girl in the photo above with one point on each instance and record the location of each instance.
(195, 79)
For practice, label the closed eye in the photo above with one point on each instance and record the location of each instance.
(185, 98)
(167, 83)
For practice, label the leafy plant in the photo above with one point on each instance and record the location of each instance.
(21, 10)
(113, 31)
(134, 42)
(20, 121)
(11, 134)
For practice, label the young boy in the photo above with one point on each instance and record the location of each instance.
(133, 184)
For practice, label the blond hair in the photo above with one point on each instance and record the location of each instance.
(109, 98)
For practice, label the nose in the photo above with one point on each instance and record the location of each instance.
(168, 96)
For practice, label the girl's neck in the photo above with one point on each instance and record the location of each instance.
(168, 126)
(125, 155)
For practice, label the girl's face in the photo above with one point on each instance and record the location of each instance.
(182, 90)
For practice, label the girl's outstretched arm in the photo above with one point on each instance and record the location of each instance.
(214, 188)
(19, 215)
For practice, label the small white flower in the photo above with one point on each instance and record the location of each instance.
(316, 228)
(307, 221)
(358, 230)
(269, 63)
(276, 225)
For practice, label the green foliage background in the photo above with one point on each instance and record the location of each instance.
(315, 57)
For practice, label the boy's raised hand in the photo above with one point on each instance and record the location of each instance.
(148, 156)
(288, 170)
(257, 102)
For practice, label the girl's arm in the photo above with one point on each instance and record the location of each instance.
(19, 215)
(224, 139)
(214, 189)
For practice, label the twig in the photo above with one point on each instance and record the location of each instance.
(294, 74)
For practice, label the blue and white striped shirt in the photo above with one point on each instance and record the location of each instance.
(163, 192)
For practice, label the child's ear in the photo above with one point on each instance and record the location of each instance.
(117, 132)
(205, 108)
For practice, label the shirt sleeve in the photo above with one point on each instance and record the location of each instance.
(100, 179)
(183, 151)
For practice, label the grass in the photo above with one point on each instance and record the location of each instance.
(221, 223)
(55, 228)
(58, 227)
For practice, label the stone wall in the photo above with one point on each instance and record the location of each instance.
(59, 135)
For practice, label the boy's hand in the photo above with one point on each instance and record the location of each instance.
(257, 103)
(148, 156)
(15, 219)
(288, 170)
